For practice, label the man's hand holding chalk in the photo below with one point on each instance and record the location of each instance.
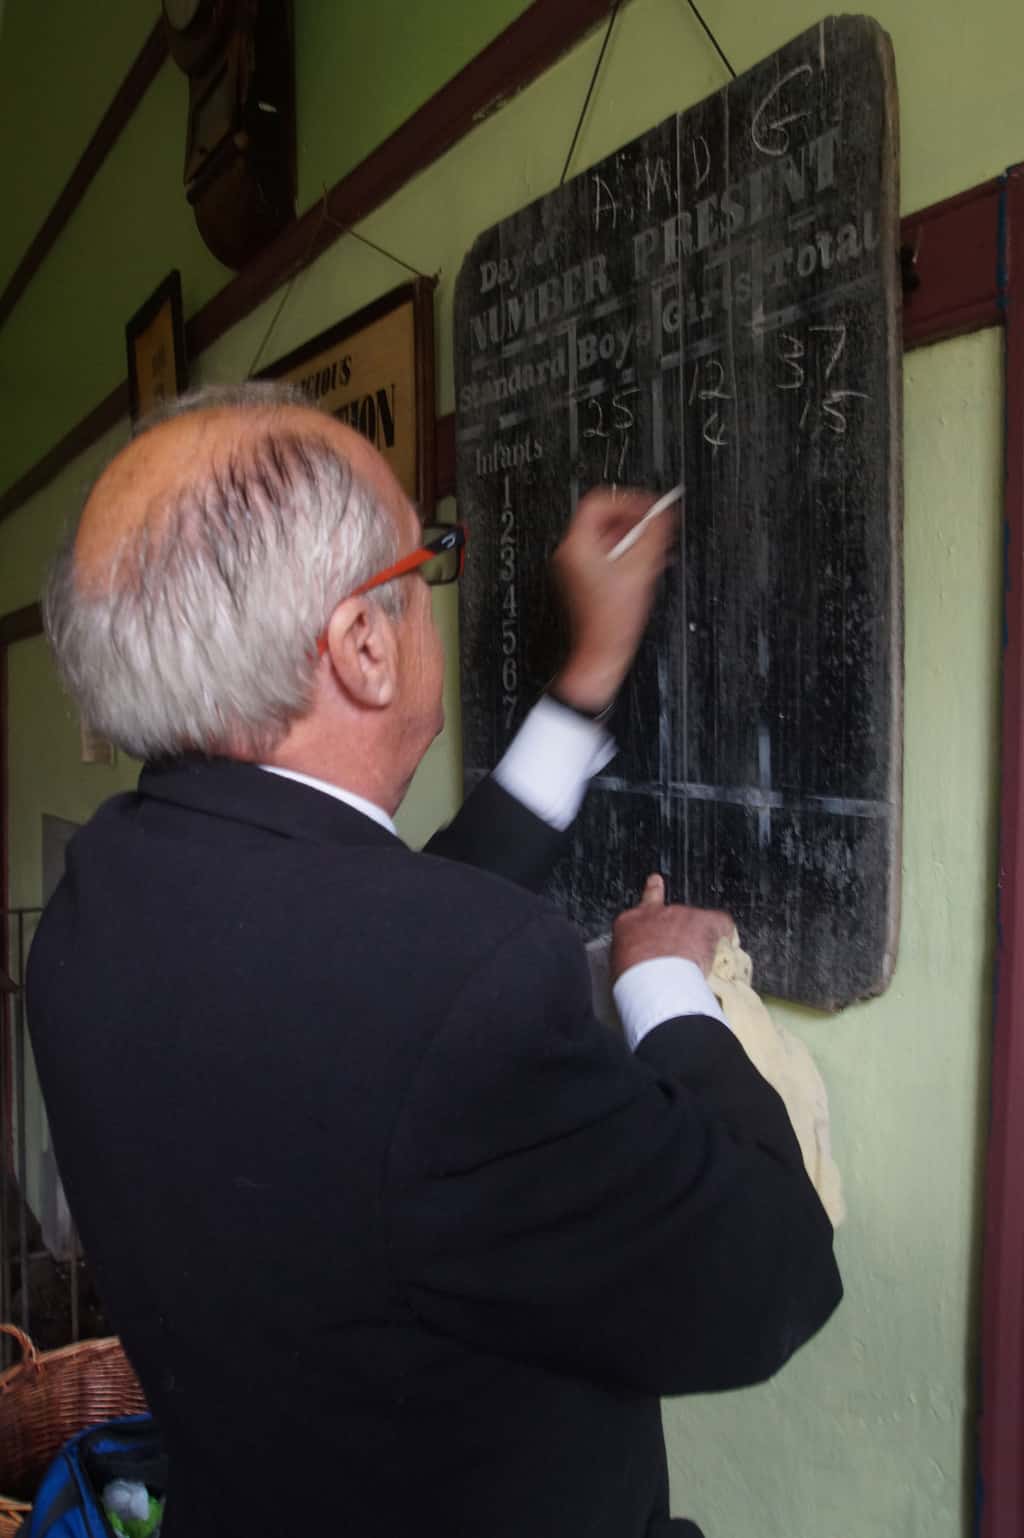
(629, 540)
(608, 600)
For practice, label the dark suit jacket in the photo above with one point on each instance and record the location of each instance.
(400, 1239)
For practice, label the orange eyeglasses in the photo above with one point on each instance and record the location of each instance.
(438, 560)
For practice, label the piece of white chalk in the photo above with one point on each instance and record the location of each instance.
(629, 540)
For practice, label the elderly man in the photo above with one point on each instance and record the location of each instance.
(398, 1236)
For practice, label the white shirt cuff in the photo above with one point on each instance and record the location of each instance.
(659, 990)
(551, 759)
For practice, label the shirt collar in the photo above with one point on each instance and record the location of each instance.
(358, 803)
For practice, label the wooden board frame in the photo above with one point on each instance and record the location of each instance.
(641, 323)
(420, 295)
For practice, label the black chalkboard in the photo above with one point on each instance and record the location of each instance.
(716, 303)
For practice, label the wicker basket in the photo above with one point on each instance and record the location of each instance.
(45, 1399)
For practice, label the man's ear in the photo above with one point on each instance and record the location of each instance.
(363, 650)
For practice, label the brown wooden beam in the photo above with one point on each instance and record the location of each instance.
(130, 92)
(82, 436)
(21, 624)
(1001, 1426)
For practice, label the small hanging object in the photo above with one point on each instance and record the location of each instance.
(240, 141)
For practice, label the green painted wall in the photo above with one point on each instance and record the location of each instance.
(870, 1431)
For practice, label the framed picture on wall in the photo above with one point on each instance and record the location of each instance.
(374, 370)
(155, 338)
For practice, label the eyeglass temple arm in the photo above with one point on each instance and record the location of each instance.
(407, 563)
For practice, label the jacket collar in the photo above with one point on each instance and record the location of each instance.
(224, 787)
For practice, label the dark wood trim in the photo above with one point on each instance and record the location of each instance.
(444, 439)
(1002, 1316)
(21, 624)
(954, 254)
(112, 409)
(426, 380)
(133, 87)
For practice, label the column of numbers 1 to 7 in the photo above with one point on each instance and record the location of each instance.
(509, 609)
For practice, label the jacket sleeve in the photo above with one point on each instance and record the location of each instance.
(495, 832)
(644, 1220)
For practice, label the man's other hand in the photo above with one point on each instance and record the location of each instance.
(654, 929)
(607, 602)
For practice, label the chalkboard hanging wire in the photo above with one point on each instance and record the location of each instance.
(346, 229)
(590, 91)
(390, 254)
(300, 267)
(325, 218)
(714, 40)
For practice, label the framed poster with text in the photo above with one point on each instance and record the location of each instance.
(375, 371)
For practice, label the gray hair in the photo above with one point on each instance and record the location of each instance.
(204, 638)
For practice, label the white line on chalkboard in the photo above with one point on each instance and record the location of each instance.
(589, 391)
(753, 797)
(768, 320)
(764, 774)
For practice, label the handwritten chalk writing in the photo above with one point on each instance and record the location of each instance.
(508, 456)
(811, 373)
(604, 202)
(714, 368)
(741, 206)
(708, 380)
(615, 451)
(701, 162)
(655, 176)
(521, 379)
(793, 351)
(541, 305)
(714, 433)
(836, 417)
(759, 130)
(838, 334)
